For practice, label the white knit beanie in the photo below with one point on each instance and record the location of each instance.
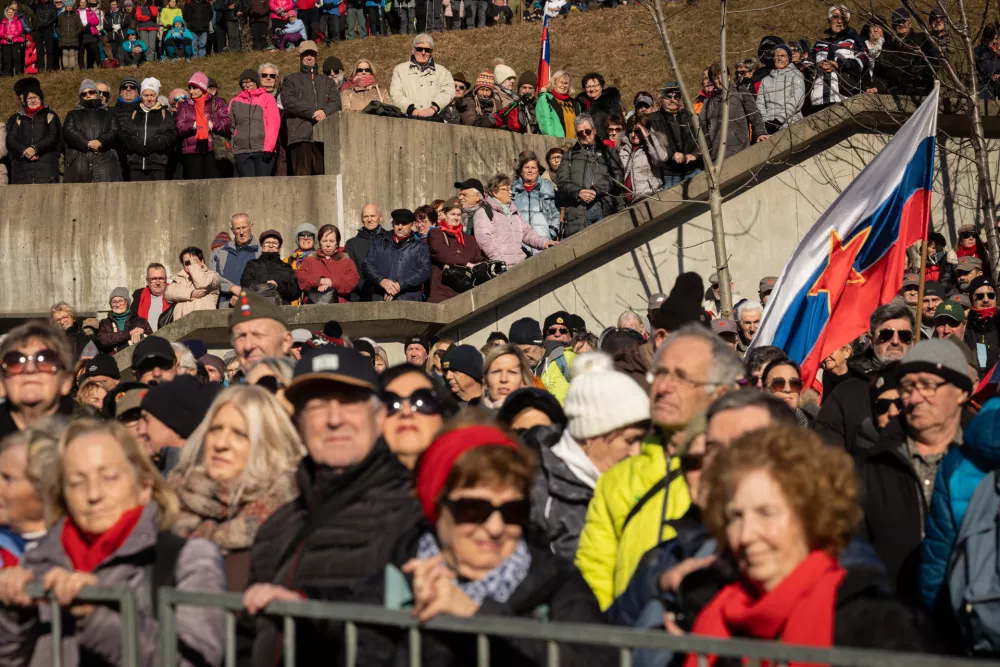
(503, 72)
(150, 84)
(600, 399)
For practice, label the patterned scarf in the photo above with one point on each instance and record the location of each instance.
(297, 257)
(498, 584)
(205, 513)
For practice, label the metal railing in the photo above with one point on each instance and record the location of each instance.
(626, 640)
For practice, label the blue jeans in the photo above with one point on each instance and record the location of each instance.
(651, 618)
(595, 213)
(472, 9)
(199, 44)
(670, 179)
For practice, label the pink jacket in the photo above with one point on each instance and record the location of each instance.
(256, 121)
(93, 20)
(275, 5)
(501, 237)
(11, 31)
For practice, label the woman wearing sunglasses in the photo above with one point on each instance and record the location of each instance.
(782, 378)
(415, 410)
(91, 133)
(473, 485)
(236, 469)
(361, 89)
(981, 332)
(273, 374)
(36, 371)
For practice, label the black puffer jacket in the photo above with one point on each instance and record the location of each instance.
(597, 168)
(679, 130)
(340, 532)
(844, 410)
(150, 138)
(88, 121)
(607, 105)
(45, 15)
(357, 249)
(303, 94)
(408, 263)
(270, 267)
(44, 132)
(903, 65)
(198, 15)
(980, 331)
(559, 501)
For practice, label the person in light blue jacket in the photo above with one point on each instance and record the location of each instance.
(293, 32)
(958, 475)
(535, 197)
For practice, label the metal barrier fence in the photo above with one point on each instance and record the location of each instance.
(626, 640)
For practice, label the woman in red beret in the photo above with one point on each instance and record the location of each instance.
(474, 484)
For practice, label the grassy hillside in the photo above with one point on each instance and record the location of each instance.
(621, 43)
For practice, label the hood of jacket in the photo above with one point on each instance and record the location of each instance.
(981, 438)
(562, 483)
(249, 96)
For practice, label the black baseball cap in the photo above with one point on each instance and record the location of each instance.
(101, 365)
(152, 348)
(471, 184)
(332, 364)
(526, 331)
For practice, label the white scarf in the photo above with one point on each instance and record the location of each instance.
(569, 452)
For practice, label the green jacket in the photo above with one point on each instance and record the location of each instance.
(549, 120)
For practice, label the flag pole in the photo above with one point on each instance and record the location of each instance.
(920, 291)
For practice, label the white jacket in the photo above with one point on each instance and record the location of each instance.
(781, 95)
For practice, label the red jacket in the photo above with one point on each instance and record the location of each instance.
(339, 269)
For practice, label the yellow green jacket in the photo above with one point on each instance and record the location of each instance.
(167, 16)
(556, 383)
(607, 557)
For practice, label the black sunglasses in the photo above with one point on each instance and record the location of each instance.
(152, 364)
(556, 331)
(967, 235)
(423, 49)
(882, 405)
(129, 86)
(271, 383)
(423, 401)
(478, 511)
(885, 335)
(363, 69)
(984, 296)
(269, 76)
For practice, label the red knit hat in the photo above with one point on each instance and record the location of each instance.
(221, 239)
(436, 463)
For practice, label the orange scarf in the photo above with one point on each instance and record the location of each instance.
(201, 120)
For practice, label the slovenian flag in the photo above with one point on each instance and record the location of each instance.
(545, 57)
(853, 258)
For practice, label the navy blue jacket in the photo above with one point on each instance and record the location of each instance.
(408, 263)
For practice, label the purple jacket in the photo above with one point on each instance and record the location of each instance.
(217, 112)
(24, 634)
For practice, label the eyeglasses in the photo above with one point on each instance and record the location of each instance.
(129, 86)
(556, 331)
(673, 96)
(967, 235)
(422, 401)
(364, 70)
(460, 88)
(271, 383)
(156, 280)
(477, 510)
(785, 384)
(678, 375)
(423, 49)
(886, 335)
(152, 364)
(89, 94)
(926, 388)
(585, 133)
(882, 405)
(106, 95)
(984, 296)
(16, 363)
(265, 75)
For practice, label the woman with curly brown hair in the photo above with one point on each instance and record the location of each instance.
(784, 506)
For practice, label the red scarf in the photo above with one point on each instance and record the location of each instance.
(560, 97)
(962, 251)
(31, 112)
(800, 610)
(145, 299)
(457, 233)
(529, 188)
(86, 551)
(986, 313)
(201, 120)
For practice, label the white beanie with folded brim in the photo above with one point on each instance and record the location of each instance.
(150, 83)
(503, 72)
(602, 400)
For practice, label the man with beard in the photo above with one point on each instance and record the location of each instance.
(967, 270)
(843, 412)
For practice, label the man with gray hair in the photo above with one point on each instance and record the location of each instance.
(845, 410)
(322, 543)
(748, 315)
(357, 248)
(590, 178)
(691, 369)
(308, 98)
(631, 320)
(420, 87)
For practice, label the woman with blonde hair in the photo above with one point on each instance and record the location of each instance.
(113, 507)
(505, 370)
(236, 469)
(361, 89)
(438, 350)
(556, 108)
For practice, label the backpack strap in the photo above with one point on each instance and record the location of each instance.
(661, 485)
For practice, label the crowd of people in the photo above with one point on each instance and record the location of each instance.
(657, 474)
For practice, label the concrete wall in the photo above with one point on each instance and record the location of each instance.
(76, 243)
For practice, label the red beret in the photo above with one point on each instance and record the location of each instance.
(436, 463)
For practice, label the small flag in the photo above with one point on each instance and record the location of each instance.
(545, 57)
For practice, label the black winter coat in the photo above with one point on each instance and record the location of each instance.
(111, 339)
(150, 138)
(679, 131)
(978, 332)
(269, 266)
(987, 64)
(357, 249)
(607, 105)
(45, 15)
(198, 15)
(559, 501)
(303, 94)
(551, 584)
(223, 14)
(88, 121)
(408, 263)
(903, 64)
(338, 534)
(43, 131)
(844, 410)
(596, 168)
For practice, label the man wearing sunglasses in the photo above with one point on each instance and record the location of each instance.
(355, 500)
(128, 101)
(982, 334)
(675, 123)
(421, 87)
(897, 476)
(36, 364)
(91, 133)
(590, 178)
(843, 412)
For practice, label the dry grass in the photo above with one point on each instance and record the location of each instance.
(620, 43)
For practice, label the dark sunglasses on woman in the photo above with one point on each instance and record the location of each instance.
(882, 405)
(478, 511)
(779, 384)
(423, 401)
(271, 383)
(15, 363)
